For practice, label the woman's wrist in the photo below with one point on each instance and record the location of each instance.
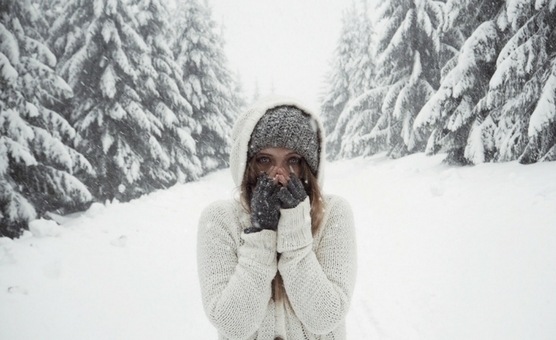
(259, 247)
(294, 228)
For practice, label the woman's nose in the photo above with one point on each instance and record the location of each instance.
(282, 167)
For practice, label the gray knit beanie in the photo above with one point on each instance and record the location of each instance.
(287, 127)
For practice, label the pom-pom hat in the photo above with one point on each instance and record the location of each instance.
(277, 122)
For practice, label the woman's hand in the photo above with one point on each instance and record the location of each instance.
(265, 205)
(292, 193)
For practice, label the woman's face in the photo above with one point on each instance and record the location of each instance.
(278, 163)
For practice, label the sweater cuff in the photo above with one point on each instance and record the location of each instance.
(259, 247)
(294, 228)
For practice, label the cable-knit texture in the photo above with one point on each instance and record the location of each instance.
(236, 271)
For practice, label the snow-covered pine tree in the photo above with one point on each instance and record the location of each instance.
(521, 91)
(238, 92)
(355, 129)
(361, 70)
(37, 165)
(337, 94)
(105, 61)
(50, 9)
(541, 145)
(208, 83)
(408, 64)
(449, 112)
(351, 73)
(461, 19)
(163, 94)
(490, 113)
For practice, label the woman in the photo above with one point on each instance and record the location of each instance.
(280, 262)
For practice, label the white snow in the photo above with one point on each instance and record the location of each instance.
(19, 152)
(52, 147)
(443, 253)
(45, 228)
(9, 48)
(544, 113)
(108, 82)
(7, 72)
(516, 10)
(107, 140)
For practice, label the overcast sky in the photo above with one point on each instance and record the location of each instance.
(283, 46)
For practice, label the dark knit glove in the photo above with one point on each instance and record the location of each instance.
(265, 205)
(292, 194)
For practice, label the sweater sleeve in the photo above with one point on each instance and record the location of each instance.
(319, 283)
(235, 281)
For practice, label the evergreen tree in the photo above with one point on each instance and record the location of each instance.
(239, 96)
(461, 19)
(356, 130)
(208, 82)
(450, 111)
(361, 69)
(489, 105)
(106, 61)
(352, 73)
(541, 145)
(50, 9)
(408, 64)
(522, 87)
(37, 165)
(164, 96)
(337, 95)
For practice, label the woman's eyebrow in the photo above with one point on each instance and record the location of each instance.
(292, 153)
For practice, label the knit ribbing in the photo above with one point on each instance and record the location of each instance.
(294, 228)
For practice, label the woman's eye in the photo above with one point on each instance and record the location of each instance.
(263, 160)
(294, 161)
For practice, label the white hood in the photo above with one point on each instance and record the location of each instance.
(245, 124)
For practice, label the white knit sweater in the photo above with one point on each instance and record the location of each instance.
(236, 271)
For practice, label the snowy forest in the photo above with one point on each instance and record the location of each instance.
(107, 99)
(475, 79)
(111, 99)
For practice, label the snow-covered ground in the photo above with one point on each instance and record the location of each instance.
(444, 253)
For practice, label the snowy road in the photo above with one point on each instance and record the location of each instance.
(444, 253)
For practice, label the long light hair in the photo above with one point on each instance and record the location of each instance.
(312, 188)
